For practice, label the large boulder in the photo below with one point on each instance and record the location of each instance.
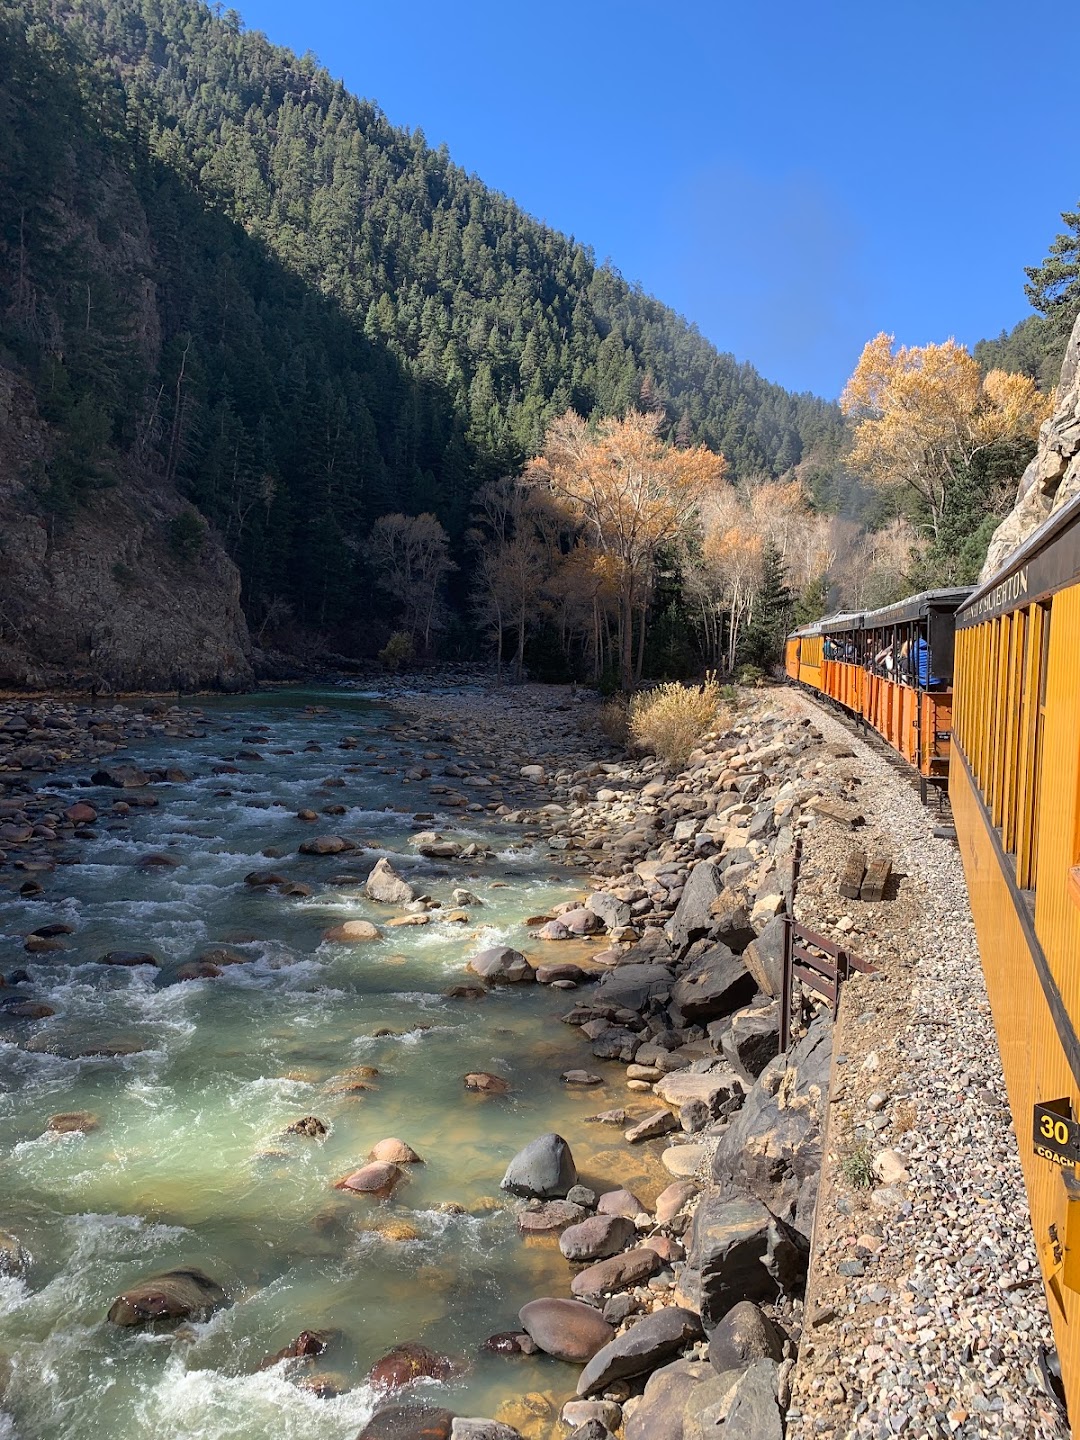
(729, 921)
(567, 1329)
(751, 1037)
(744, 1335)
(752, 1411)
(631, 987)
(181, 1294)
(739, 1250)
(659, 1413)
(650, 1343)
(692, 918)
(764, 957)
(772, 1149)
(501, 965)
(611, 910)
(121, 777)
(715, 1087)
(387, 887)
(716, 984)
(544, 1169)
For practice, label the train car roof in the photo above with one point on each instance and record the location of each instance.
(1048, 560)
(833, 624)
(917, 607)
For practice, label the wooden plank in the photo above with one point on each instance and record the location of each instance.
(852, 878)
(837, 810)
(877, 877)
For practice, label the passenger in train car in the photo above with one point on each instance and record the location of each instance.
(925, 675)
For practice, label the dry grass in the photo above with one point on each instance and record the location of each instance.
(672, 720)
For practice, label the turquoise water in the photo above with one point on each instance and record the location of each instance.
(188, 1165)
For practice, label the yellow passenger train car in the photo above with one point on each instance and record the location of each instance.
(891, 668)
(1015, 789)
(984, 687)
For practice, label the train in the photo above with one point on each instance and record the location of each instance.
(979, 690)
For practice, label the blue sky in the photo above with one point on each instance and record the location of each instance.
(793, 178)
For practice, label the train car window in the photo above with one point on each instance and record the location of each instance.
(1039, 709)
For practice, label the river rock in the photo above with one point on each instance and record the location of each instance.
(408, 1362)
(510, 1342)
(396, 1152)
(72, 1122)
(545, 1169)
(486, 1084)
(129, 958)
(567, 1329)
(743, 1336)
(670, 1201)
(597, 1238)
(352, 932)
(408, 1422)
(739, 1250)
(549, 1216)
(378, 1180)
(580, 1412)
(81, 814)
(181, 1294)
(310, 1126)
(553, 930)
(198, 970)
(14, 1259)
(582, 921)
(716, 984)
(618, 1273)
(501, 965)
(121, 777)
(326, 845)
(621, 1202)
(649, 1343)
(386, 886)
(465, 1428)
(307, 1345)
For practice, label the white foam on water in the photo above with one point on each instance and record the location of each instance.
(14, 1293)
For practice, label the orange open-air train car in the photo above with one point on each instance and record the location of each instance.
(893, 669)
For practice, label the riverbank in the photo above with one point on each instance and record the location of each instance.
(335, 907)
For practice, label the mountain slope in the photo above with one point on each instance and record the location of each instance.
(223, 273)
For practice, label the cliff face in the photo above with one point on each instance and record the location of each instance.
(103, 599)
(1053, 477)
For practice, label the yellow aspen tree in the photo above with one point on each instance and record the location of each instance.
(924, 412)
(633, 494)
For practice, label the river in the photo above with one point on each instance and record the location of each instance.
(188, 1163)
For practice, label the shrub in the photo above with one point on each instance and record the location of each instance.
(187, 534)
(752, 675)
(672, 720)
(397, 651)
(857, 1168)
(614, 720)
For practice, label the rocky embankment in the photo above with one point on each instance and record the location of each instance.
(686, 1315)
(1053, 477)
